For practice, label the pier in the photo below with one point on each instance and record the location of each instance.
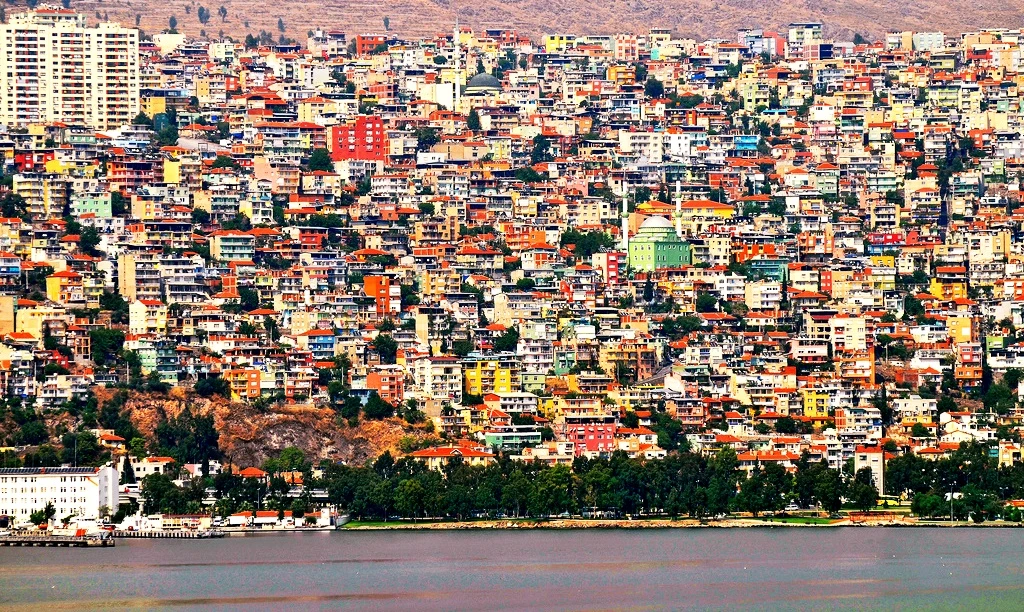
(184, 534)
(52, 540)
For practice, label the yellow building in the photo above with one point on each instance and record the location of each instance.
(65, 287)
(437, 458)
(490, 375)
(31, 320)
(172, 171)
(960, 329)
(948, 290)
(153, 105)
(147, 317)
(621, 74)
(557, 43)
(815, 402)
(888, 261)
(883, 278)
(707, 208)
(312, 109)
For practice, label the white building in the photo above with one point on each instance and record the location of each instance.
(80, 491)
(438, 378)
(54, 68)
(929, 41)
(150, 465)
(871, 457)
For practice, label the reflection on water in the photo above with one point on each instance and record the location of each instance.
(852, 568)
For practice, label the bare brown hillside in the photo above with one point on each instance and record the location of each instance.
(696, 17)
(248, 436)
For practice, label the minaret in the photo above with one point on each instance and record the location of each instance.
(458, 71)
(625, 223)
(679, 209)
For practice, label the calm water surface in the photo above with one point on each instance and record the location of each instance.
(796, 568)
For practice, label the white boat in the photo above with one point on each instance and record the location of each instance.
(138, 522)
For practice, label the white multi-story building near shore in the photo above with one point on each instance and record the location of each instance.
(81, 492)
(55, 68)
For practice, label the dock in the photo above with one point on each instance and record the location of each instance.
(52, 540)
(183, 534)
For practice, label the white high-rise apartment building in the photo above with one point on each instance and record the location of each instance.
(78, 491)
(54, 68)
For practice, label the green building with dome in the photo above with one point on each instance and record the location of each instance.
(656, 245)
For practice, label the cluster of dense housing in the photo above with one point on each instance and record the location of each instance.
(780, 244)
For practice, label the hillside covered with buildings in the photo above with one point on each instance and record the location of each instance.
(774, 254)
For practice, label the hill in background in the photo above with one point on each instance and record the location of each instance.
(698, 18)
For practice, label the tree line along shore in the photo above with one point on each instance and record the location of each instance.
(704, 488)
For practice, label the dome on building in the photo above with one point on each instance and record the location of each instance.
(483, 81)
(656, 223)
(657, 246)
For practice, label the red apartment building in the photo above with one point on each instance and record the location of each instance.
(360, 139)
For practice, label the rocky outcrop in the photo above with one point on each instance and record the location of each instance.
(249, 435)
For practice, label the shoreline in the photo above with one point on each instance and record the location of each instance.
(625, 524)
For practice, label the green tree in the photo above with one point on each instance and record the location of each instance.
(753, 492)
(377, 408)
(386, 347)
(320, 160)
(721, 488)
(654, 88)
(541, 150)
(462, 347)
(862, 492)
(508, 341)
(213, 385)
(137, 448)
(641, 72)
(410, 498)
(529, 175)
(127, 471)
(89, 240)
(290, 459)
(44, 515)
(106, 345)
(224, 161)
(33, 433)
(706, 302)
(473, 120)
(189, 438)
(82, 448)
(586, 244)
(426, 137)
(829, 489)
(13, 205)
(928, 505)
(160, 494)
